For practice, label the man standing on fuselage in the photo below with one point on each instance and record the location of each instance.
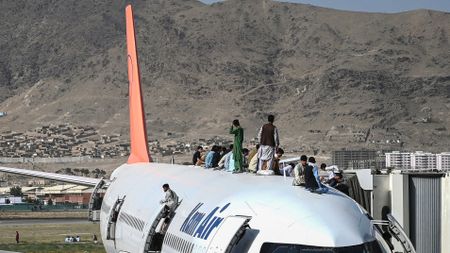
(269, 142)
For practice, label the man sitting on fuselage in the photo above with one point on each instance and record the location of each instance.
(197, 155)
(312, 178)
(299, 171)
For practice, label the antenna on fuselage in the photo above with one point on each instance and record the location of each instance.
(138, 130)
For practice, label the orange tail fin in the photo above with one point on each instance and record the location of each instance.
(138, 130)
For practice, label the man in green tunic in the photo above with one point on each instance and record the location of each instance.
(238, 132)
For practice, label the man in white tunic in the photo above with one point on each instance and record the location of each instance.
(171, 198)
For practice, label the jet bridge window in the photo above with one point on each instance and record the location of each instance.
(369, 247)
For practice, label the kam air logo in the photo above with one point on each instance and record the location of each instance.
(199, 224)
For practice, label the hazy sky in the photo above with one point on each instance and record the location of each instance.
(375, 5)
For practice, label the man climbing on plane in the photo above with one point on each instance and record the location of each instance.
(170, 200)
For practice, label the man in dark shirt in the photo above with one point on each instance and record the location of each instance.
(312, 179)
(197, 155)
(269, 142)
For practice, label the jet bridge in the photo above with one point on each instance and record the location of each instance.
(419, 201)
(95, 201)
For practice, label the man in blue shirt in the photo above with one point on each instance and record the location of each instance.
(212, 159)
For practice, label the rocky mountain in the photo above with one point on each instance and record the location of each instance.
(334, 79)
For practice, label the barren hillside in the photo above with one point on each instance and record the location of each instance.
(334, 79)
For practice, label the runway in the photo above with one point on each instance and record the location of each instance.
(42, 221)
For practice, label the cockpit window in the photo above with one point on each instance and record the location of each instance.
(370, 247)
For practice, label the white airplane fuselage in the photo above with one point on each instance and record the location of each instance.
(278, 211)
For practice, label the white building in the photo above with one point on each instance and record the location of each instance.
(418, 160)
(443, 161)
(398, 160)
(423, 161)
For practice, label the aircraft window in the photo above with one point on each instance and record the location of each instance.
(191, 247)
(171, 240)
(370, 247)
(178, 243)
(167, 239)
(185, 245)
(175, 243)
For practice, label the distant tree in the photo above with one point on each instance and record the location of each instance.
(96, 172)
(68, 171)
(85, 172)
(49, 202)
(16, 191)
(76, 170)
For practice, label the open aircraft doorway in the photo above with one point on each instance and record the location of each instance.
(159, 227)
(113, 218)
(229, 234)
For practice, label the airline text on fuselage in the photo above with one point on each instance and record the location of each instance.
(199, 224)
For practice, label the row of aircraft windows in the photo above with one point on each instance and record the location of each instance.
(132, 221)
(178, 244)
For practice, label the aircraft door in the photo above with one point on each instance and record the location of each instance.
(113, 217)
(159, 228)
(152, 242)
(228, 234)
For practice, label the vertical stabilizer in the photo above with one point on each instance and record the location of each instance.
(138, 130)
